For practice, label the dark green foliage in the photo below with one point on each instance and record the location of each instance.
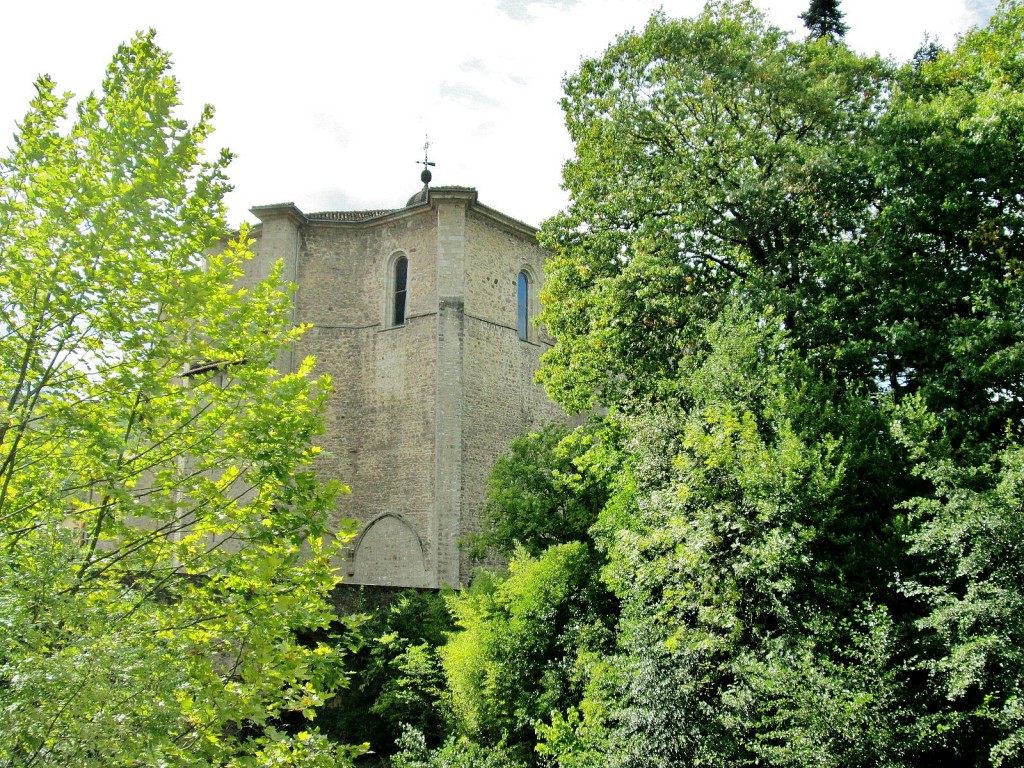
(713, 544)
(824, 19)
(971, 539)
(944, 254)
(834, 697)
(396, 675)
(927, 53)
(544, 490)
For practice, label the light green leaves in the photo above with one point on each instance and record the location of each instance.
(164, 538)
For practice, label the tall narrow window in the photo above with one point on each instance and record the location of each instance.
(401, 285)
(523, 286)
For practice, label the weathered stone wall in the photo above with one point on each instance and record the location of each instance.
(381, 422)
(501, 399)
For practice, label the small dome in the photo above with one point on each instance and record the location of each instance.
(419, 197)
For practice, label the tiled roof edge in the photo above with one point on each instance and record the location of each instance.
(349, 215)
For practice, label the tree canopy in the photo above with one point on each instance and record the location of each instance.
(788, 275)
(164, 539)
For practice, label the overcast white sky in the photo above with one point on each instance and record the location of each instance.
(327, 104)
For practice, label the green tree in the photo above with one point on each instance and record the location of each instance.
(712, 155)
(968, 540)
(164, 539)
(824, 19)
(938, 268)
(397, 680)
(456, 752)
(773, 250)
(514, 660)
(732, 634)
(546, 489)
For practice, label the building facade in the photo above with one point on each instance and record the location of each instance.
(422, 316)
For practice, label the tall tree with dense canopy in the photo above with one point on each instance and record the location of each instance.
(164, 539)
(791, 274)
(709, 153)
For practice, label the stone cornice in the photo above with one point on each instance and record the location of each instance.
(370, 219)
(276, 210)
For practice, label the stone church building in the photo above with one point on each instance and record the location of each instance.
(423, 317)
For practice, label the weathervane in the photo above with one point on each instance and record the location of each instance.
(426, 175)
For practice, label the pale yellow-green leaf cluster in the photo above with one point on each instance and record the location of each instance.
(165, 542)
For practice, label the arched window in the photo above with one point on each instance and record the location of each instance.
(401, 284)
(523, 288)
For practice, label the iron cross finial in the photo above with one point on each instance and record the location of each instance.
(426, 148)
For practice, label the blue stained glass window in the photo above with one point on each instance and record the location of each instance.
(524, 306)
